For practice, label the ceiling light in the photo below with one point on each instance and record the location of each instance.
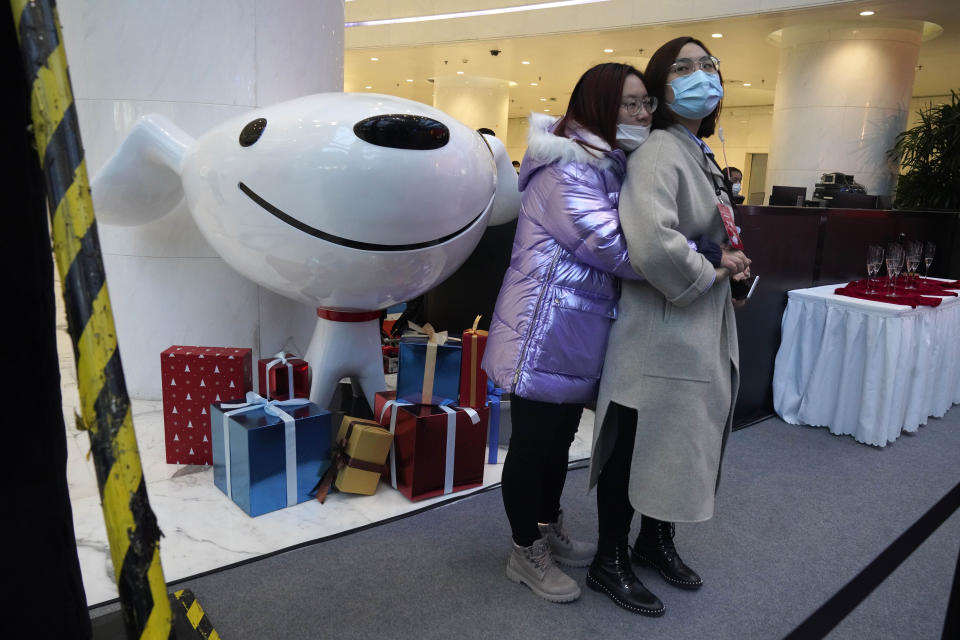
(374, 59)
(471, 14)
(459, 73)
(533, 84)
(867, 13)
(409, 79)
(524, 62)
(543, 99)
(748, 84)
(546, 110)
(512, 83)
(716, 35)
(368, 87)
(608, 50)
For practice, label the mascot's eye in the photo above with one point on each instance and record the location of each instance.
(251, 133)
(402, 131)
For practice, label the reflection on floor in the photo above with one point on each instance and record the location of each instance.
(202, 529)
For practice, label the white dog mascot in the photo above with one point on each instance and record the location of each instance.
(347, 202)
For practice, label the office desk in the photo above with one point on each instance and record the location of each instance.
(867, 369)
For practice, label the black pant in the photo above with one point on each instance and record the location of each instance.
(614, 511)
(536, 465)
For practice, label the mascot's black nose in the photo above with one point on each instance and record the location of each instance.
(402, 131)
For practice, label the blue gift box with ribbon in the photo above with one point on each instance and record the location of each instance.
(269, 454)
(429, 367)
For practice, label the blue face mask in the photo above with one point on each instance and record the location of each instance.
(696, 95)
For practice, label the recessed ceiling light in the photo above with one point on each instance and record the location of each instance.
(459, 73)
(512, 83)
(608, 50)
(546, 110)
(524, 62)
(748, 84)
(533, 84)
(409, 79)
(543, 99)
(374, 59)
(867, 13)
(368, 87)
(716, 35)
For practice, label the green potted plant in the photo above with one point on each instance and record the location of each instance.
(930, 155)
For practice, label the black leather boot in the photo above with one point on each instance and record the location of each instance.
(654, 546)
(612, 574)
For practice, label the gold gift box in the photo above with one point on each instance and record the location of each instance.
(364, 447)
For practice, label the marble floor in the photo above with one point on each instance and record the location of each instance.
(202, 529)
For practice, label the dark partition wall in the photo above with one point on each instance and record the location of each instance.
(793, 248)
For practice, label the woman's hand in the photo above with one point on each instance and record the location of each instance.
(734, 260)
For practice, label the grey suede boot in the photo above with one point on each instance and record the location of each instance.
(571, 553)
(534, 567)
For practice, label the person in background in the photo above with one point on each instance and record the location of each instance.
(516, 165)
(734, 178)
(670, 375)
(557, 302)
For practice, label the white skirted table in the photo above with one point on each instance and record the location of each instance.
(864, 368)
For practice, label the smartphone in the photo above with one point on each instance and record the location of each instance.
(743, 289)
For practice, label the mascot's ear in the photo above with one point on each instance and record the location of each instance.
(506, 200)
(141, 181)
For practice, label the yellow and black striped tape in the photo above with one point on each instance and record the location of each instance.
(195, 615)
(105, 407)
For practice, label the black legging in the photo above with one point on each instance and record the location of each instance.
(614, 511)
(536, 465)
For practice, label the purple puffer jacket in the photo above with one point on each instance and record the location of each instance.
(549, 329)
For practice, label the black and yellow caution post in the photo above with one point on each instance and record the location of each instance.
(131, 526)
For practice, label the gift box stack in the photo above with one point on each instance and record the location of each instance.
(192, 379)
(438, 447)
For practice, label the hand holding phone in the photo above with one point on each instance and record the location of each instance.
(743, 289)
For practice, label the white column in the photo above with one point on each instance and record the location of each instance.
(477, 102)
(843, 93)
(197, 63)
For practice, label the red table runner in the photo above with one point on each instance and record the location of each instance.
(911, 297)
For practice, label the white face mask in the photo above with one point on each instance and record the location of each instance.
(631, 136)
(736, 188)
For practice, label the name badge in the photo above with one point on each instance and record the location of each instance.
(726, 214)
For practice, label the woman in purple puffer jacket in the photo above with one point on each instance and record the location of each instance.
(559, 297)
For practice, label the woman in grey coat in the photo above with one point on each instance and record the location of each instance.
(670, 375)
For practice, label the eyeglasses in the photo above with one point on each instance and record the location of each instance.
(633, 107)
(686, 66)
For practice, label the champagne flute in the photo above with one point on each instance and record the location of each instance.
(929, 249)
(894, 260)
(874, 260)
(912, 257)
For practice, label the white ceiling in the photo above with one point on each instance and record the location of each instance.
(556, 61)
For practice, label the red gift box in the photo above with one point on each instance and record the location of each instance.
(473, 379)
(420, 439)
(276, 373)
(193, 378)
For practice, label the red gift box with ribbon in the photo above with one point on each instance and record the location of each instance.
(473, 379)
(281, 372)
(192, 379)
(436, 450)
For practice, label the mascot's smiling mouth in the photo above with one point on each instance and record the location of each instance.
(346, 242)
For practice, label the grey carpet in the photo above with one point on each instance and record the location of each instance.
(799, 513)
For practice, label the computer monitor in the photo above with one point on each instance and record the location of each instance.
(851, 200)
(787, 196)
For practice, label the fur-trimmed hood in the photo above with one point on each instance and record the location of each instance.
(544, 148)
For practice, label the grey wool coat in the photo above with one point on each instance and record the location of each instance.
(672, 353)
